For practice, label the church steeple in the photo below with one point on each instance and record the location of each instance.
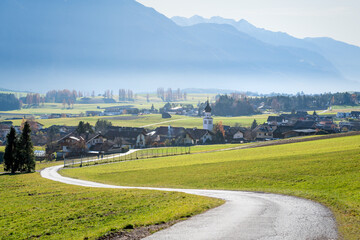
(208, 108)
(208, 120)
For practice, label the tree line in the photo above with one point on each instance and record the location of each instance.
(19, 152)
(240, 104)
(9, 102)
(126, 95)
(170, 96)
(306, 102)
(61, 96)
(226, 105)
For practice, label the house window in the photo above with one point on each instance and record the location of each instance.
(205, 122)
(209, 121)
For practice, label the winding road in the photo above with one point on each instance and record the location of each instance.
(245, 215)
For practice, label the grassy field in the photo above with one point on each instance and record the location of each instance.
(194, 149)
(143, 154)
(2, 148)
(327, 171)
(152, 121)
(206, 148)
(33, 207)
(123, 120)
(127, 120)
(140, 103)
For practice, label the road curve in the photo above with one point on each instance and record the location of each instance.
(245, 215)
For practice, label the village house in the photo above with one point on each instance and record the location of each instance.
(94, 113)
(299, 132)
(171, 135)
(133, 137)
(111, 111)
(72, 144)
(95, 140)
(351, 125)
(280, 131)
(292, 118)
(235, 134)
(327, 124)
(276, 120)
(306, 124)
(355, 114)
(200, 136)
(264, 132)
(55, 115)
(343, 114)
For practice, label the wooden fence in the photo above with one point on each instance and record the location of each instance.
(128, 156)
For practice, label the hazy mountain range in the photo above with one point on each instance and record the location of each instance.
(111, 44)
(345, 57)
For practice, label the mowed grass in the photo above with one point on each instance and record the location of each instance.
(327, 171)
(32, 207)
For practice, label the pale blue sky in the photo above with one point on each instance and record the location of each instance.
(338, 19)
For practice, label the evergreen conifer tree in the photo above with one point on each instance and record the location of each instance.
(254, 125)
(25, 152)
(10, 161)
(80, 128)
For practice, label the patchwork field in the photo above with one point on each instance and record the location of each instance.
(32, 207)
(140, 103)
(151, 121)
(327, 171)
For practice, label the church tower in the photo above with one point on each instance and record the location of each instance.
(208, 123)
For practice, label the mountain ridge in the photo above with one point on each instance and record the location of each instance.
(57, 44)
(325, 46)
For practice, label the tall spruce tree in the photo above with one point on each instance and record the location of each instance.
(254, 124)
(10, 161)
(25, 152)
(84, 128)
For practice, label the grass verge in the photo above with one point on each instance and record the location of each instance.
(32, 207)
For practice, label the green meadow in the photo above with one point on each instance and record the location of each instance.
(152, 121)
(327, 171)
(140, 103)
(35, 208)
(2, 148)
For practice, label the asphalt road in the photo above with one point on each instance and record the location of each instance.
(245, 215)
